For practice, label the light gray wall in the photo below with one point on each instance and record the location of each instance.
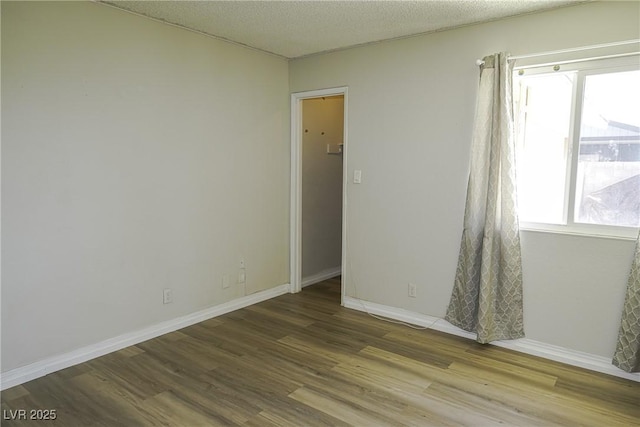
(135, 156)
(411, 105)
(323, 123)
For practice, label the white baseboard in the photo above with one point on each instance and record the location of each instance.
(39, 369)
(523, 345)
(323, 275)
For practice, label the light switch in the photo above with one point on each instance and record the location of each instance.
(357, 176)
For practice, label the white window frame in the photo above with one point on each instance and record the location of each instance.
(582, 69)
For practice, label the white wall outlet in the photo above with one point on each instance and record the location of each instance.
(413, 291)
(242, 276)
(225, 281)
(167, 296)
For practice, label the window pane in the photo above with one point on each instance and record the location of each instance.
(544, 117)
(608, 175)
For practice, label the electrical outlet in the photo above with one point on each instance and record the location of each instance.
(225, 281)
(413, 291)
(167, 296)
(242, 276)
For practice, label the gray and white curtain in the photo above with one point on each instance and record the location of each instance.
(627, 355)
(487, 294)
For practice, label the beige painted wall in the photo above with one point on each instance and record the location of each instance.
(135, 156)
(323, 123)
(411, 105)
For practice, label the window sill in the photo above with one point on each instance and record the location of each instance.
(600, 232)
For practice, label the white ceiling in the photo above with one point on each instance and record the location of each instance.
(298, 28)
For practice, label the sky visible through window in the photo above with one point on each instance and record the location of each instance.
(613, 97)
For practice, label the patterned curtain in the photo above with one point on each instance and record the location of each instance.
(487, 294)
(627, 355)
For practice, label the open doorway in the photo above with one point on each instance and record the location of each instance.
(322, 148)
(318, 190)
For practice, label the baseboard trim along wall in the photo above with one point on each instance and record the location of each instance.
(524, 345)
(39, 369)
(329, 273)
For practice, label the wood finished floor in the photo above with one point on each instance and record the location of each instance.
(302, 360)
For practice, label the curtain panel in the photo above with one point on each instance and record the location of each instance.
(627, 355)
(487, 293)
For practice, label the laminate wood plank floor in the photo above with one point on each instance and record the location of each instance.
(303, 360)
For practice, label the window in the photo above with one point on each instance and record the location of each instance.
(578, 147)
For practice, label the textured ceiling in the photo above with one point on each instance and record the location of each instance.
(298, 28)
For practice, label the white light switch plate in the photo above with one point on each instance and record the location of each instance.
(357, 176)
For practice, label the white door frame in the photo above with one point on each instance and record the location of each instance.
(295, 259)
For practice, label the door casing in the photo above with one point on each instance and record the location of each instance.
(295, 259)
